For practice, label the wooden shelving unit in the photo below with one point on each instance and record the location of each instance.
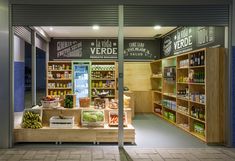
(59, 78)
(197, 90)
(103, 78)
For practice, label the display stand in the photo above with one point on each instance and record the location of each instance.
(194, 99)
(78, 133)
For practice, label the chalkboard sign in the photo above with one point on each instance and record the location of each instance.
(191, 38)
(142, 49)
(103, 49)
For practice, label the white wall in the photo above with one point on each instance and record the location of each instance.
(19, 49)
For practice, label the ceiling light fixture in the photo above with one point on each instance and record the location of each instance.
(157, 27)
(51, 28)
(95, 27)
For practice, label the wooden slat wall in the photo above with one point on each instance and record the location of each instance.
(137, 76)
(137, 79)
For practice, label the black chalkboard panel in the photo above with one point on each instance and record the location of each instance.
(186, 39)
(103, 49)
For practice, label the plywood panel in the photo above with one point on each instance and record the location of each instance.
(76, 134)
(136, 76)
(143, 101)
(214, 96)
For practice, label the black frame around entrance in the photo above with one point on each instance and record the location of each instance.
(7, 67)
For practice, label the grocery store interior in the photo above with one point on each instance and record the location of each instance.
(174, 92)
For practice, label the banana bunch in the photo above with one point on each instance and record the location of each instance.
(31, 120)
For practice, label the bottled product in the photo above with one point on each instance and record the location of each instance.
(198, 113)
(191, 60)
(197, 59)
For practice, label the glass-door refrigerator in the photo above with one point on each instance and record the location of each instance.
(81, 80)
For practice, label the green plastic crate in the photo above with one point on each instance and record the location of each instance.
(166, 114)
(171, 116)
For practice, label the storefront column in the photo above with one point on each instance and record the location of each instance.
(232, 77)
(33, 73)
(120, 75)
(6, 70)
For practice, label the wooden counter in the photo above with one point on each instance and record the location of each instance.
(77, 133)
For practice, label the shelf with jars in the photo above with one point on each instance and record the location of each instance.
(103, 79)
(59, 78)
(197, 82)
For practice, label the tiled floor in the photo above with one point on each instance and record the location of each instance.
(112, 153)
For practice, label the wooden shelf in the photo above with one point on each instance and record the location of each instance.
(182, 68)
(198, 136)
(202, 121)
(155, 91)
(201, 66)
(167, 95)
(63, 79)
(101, 88)
(168, 108)
(183, 128)
(181, 98)
(154, 77)
(182, 83)
(59, 70)
(200, 84)
(59, 88)
(102, 79)
(155, 102)
(213, 86)
(197, 102)
(182, 113)
(103, 71)
(105, 96)
(159, 115)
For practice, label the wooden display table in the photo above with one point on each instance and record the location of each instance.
(77, 133)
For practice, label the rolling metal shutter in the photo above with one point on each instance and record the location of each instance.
(23, 32)
(183, 15)
(64, 15)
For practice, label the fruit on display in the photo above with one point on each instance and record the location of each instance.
(113, 119)
(93, 116)
(48, 98)
(50, 102)
(31, 120)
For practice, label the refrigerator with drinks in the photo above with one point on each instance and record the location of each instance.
(81, 80)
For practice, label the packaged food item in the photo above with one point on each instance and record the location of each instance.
(113, 104)
(126, 101)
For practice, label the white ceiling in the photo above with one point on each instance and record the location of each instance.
(146, 32)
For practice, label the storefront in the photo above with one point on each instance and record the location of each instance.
(178, 69)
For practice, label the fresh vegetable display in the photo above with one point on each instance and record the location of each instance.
(68, 101)
(31, 120)
(93, 116)
(113, 119)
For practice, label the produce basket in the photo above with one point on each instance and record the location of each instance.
(50, 104)
(62, 122)
(113, 118)
(84, 102)
(92, 117)
(29, 120)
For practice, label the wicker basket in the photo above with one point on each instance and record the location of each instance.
(50, 104)
(84, 102)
